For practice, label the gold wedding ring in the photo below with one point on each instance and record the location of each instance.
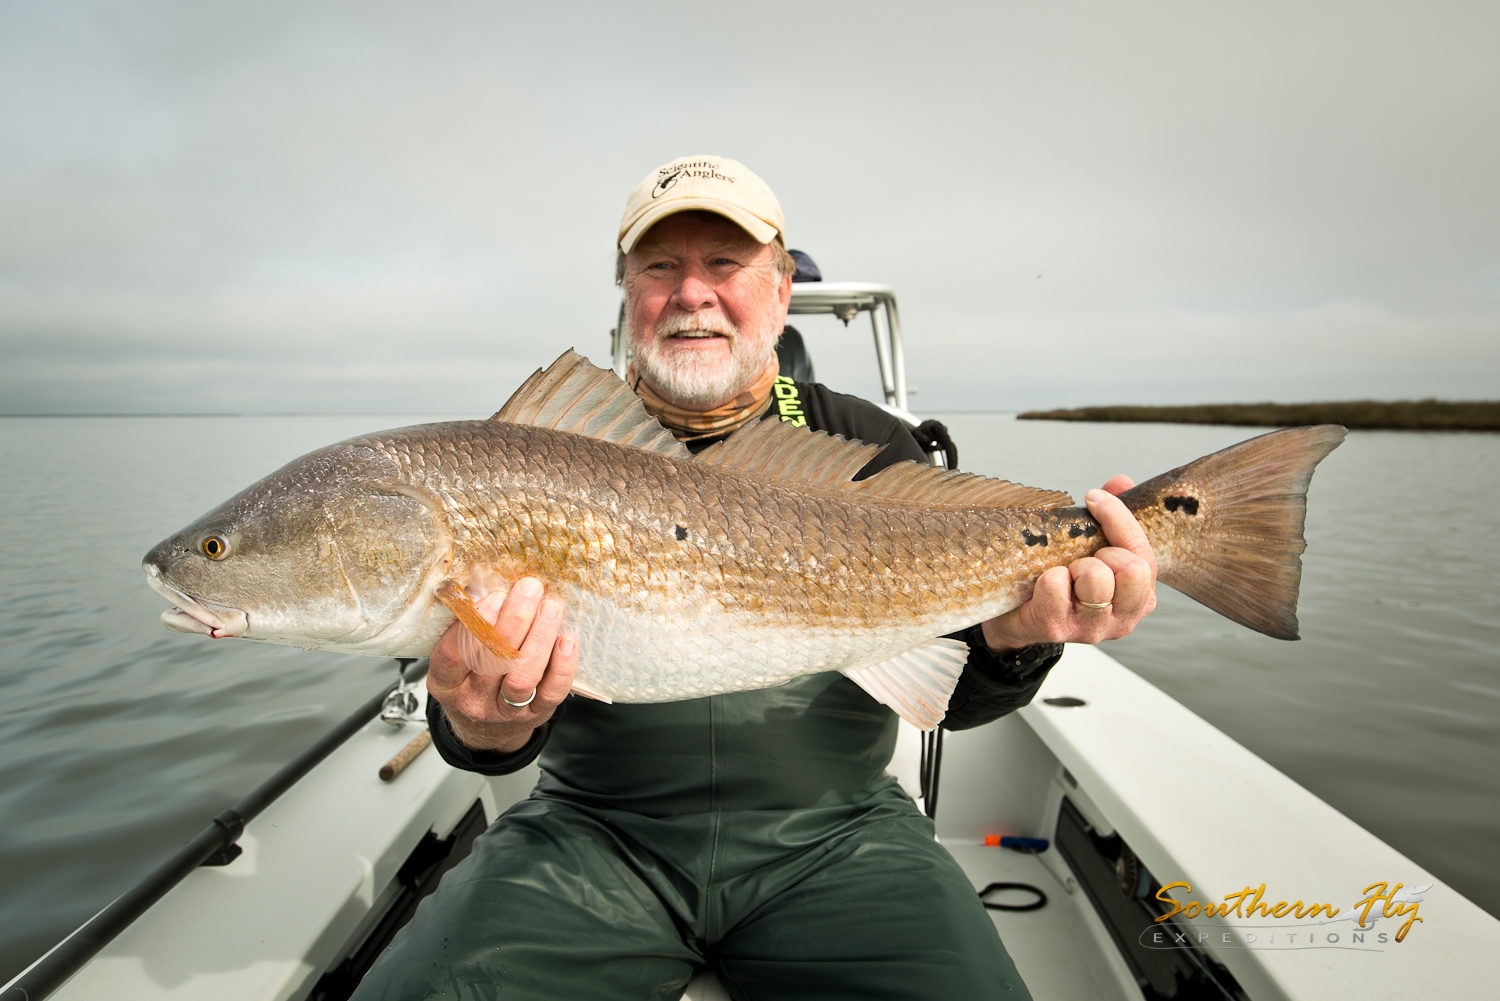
(1090, 604)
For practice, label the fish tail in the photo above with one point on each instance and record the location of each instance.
(1227, 529)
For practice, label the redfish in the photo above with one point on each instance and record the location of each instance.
(755, 562)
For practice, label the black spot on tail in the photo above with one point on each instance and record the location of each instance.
(1032, 540)
(681, 533)
(1187, 504)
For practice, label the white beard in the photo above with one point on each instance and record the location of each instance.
(702, 382)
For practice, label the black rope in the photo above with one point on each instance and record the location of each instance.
(930, 769)
(1035, 905)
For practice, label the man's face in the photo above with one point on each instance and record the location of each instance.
(704, 307)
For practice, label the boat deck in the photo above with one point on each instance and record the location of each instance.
(1062, 950)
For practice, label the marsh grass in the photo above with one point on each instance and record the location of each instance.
(1406, 415)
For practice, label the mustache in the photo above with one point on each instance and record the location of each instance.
(695, 323)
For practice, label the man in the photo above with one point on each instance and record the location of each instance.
(756, 832)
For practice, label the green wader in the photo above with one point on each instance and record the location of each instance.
(755, 833)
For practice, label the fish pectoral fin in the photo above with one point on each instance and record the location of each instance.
(590, 692)
(460, 604)
(916, 684)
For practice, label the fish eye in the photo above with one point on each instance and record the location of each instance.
(215, 547)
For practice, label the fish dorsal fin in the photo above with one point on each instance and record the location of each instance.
(776, 449)
(933, 486)
(575, 396)
(771, 448)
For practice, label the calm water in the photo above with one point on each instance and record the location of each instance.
(120, 739)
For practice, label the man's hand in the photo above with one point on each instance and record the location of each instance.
(1122, 574)
(469, 681)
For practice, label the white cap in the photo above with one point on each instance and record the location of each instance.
(708, 183)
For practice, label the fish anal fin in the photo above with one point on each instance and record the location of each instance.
(460, 604)
(916, 684)
(575, 396)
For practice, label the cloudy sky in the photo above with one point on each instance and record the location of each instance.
(274, 207)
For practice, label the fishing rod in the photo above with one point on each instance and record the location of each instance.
(214, 845)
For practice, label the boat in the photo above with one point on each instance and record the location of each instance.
(1099, 823)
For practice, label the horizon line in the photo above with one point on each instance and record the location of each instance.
(348, 413)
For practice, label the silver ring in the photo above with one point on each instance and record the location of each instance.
(518, 705)
(1095, 604)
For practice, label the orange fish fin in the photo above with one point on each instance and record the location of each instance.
(461, 605)
(783, 450)
(575, 396)
(916, 684)
(934, 486)
(589, 692)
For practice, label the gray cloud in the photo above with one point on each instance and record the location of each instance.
(205, 207)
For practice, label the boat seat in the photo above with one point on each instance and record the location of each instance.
(791, 352)
(705, 987)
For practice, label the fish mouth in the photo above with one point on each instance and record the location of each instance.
(193, 616)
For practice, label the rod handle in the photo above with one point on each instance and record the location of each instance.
(404, 757)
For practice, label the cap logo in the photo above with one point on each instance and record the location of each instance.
(665, 183)
(668, 176)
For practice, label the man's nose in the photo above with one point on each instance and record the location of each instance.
(695, 289)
